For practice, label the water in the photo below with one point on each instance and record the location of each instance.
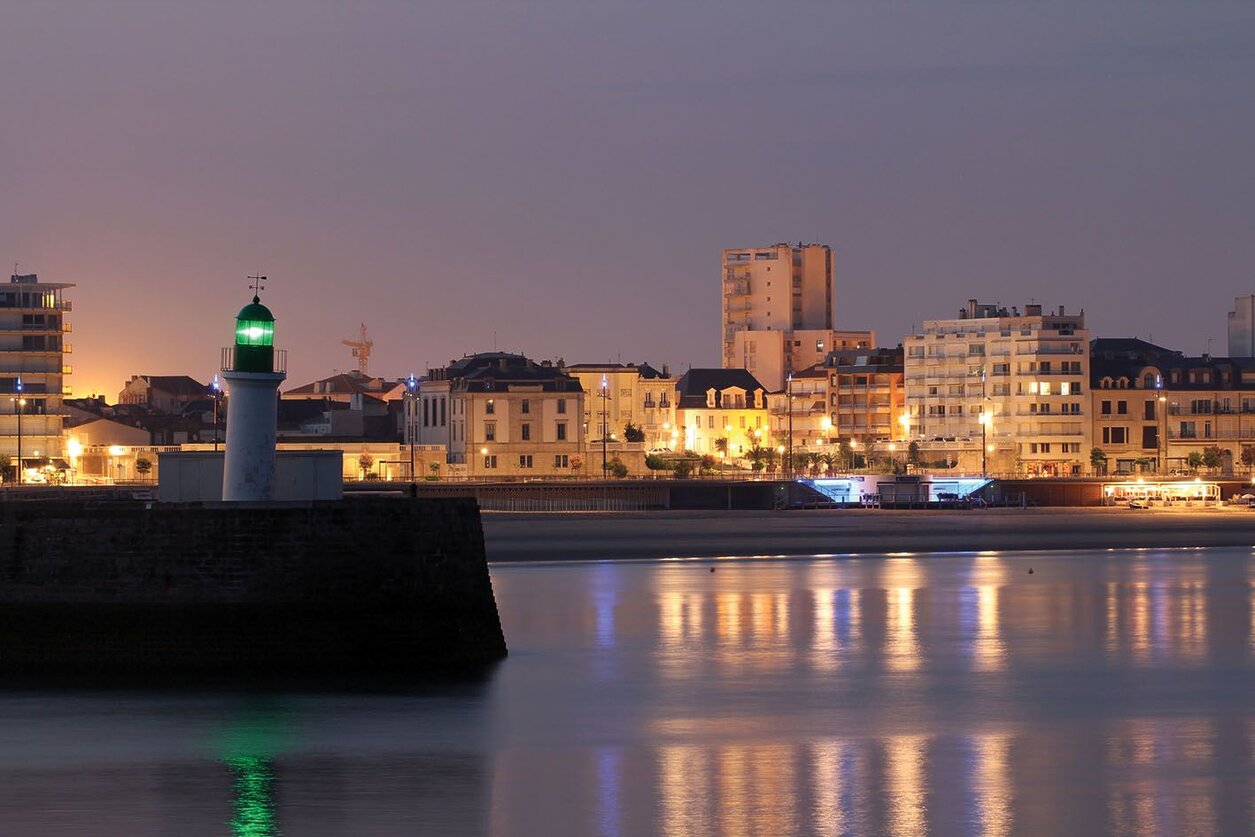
(1105, 693)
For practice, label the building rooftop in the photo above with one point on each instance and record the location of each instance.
(695, 383)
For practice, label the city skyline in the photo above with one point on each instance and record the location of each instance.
(571, 197)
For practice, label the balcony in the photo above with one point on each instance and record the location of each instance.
(280, 359)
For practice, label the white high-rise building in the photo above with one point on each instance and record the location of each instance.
(1002, 390)
(32, 370)
(1242, 327)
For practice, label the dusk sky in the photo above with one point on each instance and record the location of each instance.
(564, 174)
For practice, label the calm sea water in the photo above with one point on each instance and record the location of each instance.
(1104, 693)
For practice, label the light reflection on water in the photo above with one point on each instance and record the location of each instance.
(1103, 694)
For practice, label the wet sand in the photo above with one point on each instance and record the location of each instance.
(512, 536)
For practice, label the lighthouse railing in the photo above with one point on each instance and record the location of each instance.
(228, 359)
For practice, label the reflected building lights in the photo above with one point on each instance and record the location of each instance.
(993, 785)
(903, 646)
(904, 774)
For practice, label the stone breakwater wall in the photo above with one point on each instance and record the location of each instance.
(383, 586)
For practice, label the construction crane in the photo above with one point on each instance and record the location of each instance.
(361, 349)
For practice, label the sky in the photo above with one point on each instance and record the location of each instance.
(558, 178)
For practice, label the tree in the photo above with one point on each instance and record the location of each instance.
(632, 433)
(1248, 456)
(912, 453)
(758, 457)
(830, 463)
(434, 469)
(707, 465)
(363, 462)
(616, 468)
(143, 466)
(683, 469)
(1212, 457)
(1098, 460)
(654, 462)
(846, 450)
(1194, 460)
(721, 445)
(772, 459)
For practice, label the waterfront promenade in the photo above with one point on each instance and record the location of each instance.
(626, 535)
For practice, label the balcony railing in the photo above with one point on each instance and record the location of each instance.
(280, 359)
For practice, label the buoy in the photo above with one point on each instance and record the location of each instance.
(712, 569)
(1030, 570)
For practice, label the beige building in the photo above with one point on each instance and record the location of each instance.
(778, 311)
(771, 355)
(32, 372)
(499, 414)
(1153, 407)
(1002, 390)
(867, 400)
(620, 394)
(715, 404)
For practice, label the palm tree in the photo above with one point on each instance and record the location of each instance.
(721, 445)
(830, 463)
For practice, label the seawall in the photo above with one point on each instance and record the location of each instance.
(386, 587)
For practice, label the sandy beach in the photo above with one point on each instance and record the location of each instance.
(627, 535)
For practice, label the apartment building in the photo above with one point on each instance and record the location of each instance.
(778, 310)
(619, 394)
(1153, 407)
(32, 374)
(715, 404)
(1000, 390)
(500, 414)
(770, 356)
(867, 395)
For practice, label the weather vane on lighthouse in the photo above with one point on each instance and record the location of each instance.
(258, 286)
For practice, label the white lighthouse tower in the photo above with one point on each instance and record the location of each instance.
(252, 405)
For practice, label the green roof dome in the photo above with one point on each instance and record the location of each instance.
(255, 311)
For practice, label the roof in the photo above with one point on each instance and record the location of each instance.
(1132, 358)
(643, 370)
(180, 385)
(863, 360)
(695, 383)
(346, 383)
(498, 371)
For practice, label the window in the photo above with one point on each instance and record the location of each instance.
(560, 460)
(1105, 408)
(426, 410)
(1200, 406)
(710, 422)
(442, 413)
(1115, 435)
(525, 460)
(1150, 438)
(562, 406)
(525, 432)
(490, 461)
(490, 431)
(490, 408)
(1149, 412)
(1122, 408)
(525, 406)
(561, 430)
(1002, 369)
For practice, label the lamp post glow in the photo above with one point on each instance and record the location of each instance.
(788, 390)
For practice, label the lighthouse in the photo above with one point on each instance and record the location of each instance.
(252, 405)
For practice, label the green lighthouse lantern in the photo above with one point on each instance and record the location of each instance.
(254, 338)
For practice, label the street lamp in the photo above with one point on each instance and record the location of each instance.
(19, 403)
(788, 389)
(411, 386)
(605, 404)
(985, 419)
(217, 395)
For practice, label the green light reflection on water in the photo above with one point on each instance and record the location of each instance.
(254, 801)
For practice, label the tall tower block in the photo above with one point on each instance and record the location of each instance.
(252, 406)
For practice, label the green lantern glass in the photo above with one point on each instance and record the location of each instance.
(254, 339)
